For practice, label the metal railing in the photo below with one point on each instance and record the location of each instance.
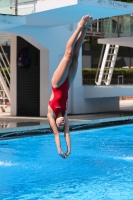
(119, 26)
(99, 64)
(17, 7)
(4, 73)
(5, 66)
(96, 28)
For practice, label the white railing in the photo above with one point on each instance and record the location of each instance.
(13, 7)
(5, 72)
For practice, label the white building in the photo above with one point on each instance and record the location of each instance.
(46, 32)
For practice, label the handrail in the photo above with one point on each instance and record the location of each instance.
(4, 75)
(99, 64)
(5, 55)
(6, 66)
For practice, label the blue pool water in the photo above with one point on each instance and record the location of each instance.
(100, 167)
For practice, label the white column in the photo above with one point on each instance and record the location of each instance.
(13, 84)
(97, 25)
(44, 81)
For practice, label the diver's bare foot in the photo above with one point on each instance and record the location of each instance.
(88, 22)
(83, 21)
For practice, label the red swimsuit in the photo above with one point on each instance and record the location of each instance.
(59, 102)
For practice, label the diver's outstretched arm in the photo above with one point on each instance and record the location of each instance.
(67, 137)
(56, 133)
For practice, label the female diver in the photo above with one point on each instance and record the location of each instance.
(61, 81)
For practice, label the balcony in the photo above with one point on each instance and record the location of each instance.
(24, 7)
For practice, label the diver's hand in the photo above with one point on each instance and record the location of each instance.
(67, 153)
(62, 154)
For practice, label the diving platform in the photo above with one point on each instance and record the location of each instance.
(51, 13)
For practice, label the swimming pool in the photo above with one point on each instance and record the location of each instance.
(100, 166)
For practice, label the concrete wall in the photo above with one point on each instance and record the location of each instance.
(44, 81)
(121, 41)
(48, 4)
(13, 86)
(96, 105)
(104, 98)
(86, 61)
(107, 91)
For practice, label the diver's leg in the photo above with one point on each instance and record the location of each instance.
(62, 70)
(74, 63)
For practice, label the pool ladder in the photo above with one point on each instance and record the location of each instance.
(106, 64)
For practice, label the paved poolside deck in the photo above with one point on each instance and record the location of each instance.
(8, 121)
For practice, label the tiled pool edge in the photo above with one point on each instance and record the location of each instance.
(44, 129)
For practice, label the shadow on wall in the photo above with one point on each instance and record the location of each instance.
(120, 62)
